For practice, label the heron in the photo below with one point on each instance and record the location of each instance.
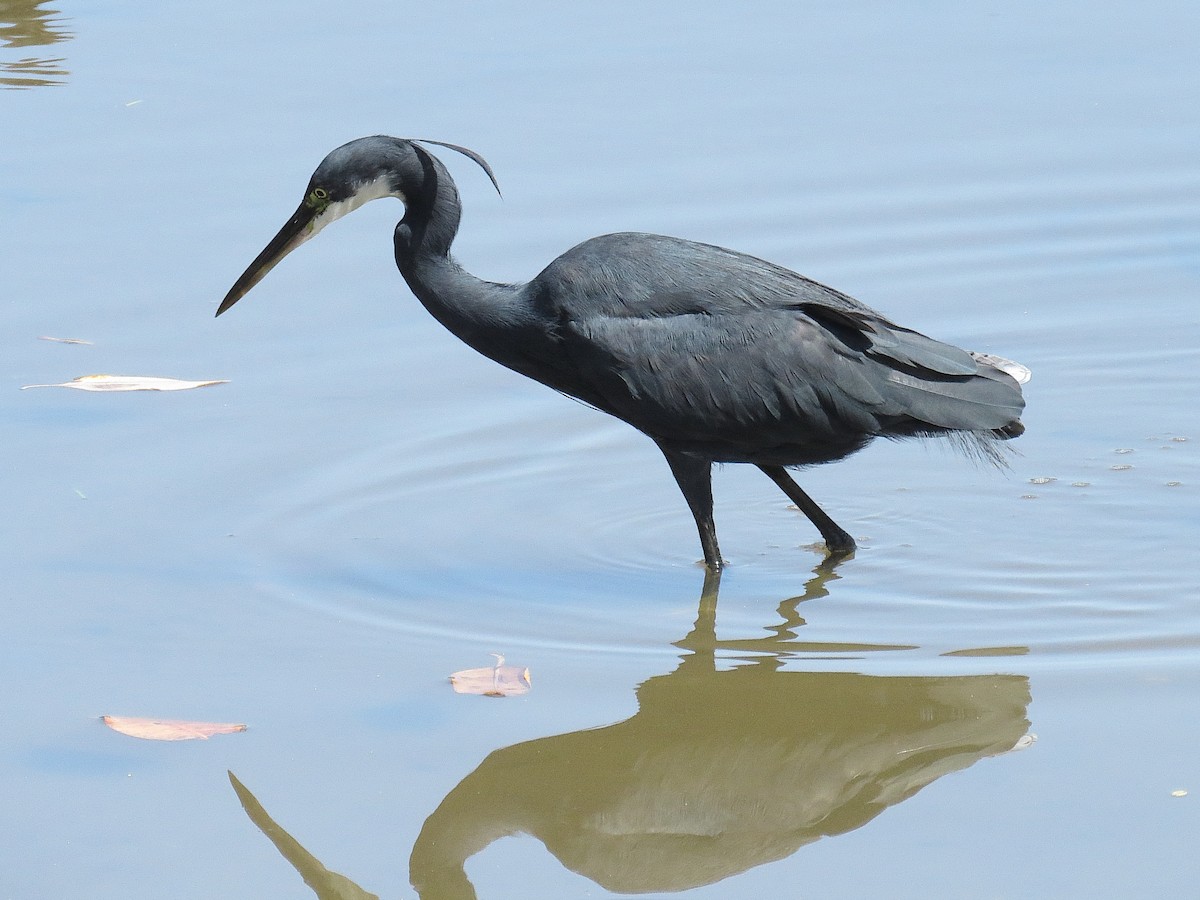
(715, 355)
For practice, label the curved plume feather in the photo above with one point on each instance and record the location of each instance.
(469, 154)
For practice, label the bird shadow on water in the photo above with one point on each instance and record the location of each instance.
(731, 761)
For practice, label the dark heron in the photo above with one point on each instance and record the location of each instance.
(716, 356)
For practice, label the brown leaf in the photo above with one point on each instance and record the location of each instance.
(169, 729)
(127, 383)
(494, 681)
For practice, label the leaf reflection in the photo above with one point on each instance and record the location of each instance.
(721, 771)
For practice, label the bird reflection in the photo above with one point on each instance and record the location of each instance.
(24, 24)
(720, 771)
(326, 885)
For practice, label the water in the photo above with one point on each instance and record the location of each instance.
(368, 506)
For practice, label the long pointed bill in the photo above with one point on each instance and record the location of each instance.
(299, 228)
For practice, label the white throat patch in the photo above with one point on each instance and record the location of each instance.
(372, 190)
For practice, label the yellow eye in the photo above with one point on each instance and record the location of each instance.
(317, 199)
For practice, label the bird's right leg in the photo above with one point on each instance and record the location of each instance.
(694, 477)
(837, 540)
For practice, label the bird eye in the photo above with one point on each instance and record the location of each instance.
(317, 199)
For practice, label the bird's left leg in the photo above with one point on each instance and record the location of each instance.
(837, 540)
(694, 477)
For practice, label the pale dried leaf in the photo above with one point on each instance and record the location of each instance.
(1019, 373)
(128, 383)
(494, 681)
(169, 729)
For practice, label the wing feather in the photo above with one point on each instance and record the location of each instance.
(691, 342)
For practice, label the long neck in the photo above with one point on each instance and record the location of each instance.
(462, 825)
(490, 317)
(432, 211)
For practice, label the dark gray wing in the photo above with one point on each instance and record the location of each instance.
(691, 342)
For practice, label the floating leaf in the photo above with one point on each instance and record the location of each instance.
(169, 729)
(127, 383)
(495, 681)
(1019, 373)
(57, 340)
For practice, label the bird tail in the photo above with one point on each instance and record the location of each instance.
(990, 447)
(978, 415)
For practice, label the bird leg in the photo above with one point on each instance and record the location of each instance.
(694, 477)
(837, 540)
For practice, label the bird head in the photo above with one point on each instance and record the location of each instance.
(355, 173)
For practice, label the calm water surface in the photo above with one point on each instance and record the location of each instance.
(995, 698)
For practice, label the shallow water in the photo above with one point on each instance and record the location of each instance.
(368, 506)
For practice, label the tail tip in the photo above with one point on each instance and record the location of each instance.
(1013, 429)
